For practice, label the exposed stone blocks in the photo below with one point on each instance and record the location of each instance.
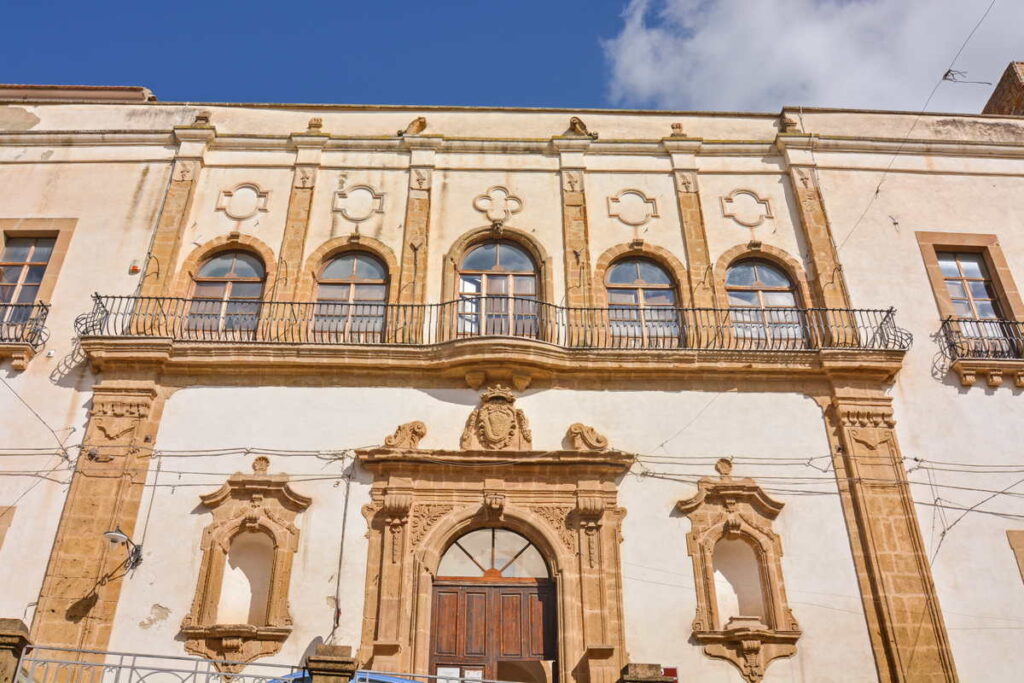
(412, 281)
(1008, 97)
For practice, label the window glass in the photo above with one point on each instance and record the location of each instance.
(218, 266)
(652, 273)
(17, 249)
(972, 265)
(624, 273)
(484, 257)
(947, 264)
(492, 552)
(740, 274)
(513, 258)
(772, 276)
(247, 265)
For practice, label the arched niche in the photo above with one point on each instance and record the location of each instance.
(240, 609)
(731, 523)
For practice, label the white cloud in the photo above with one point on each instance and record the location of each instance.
(758, 55)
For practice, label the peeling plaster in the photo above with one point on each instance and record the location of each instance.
(157, 613)
(17, 118)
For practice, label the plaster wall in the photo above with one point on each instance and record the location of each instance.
(968, 436)
(658, 577)
(115, 205)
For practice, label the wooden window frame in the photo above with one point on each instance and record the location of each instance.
(60, 229)
(931, 243)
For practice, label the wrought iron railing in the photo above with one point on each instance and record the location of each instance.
(23, 323)
(971, 338)
(65, 665)
(276, 322)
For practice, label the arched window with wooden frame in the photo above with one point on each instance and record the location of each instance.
(227, 293)
(642, 304)
(764, 305)
(498, 291)
(351, 299)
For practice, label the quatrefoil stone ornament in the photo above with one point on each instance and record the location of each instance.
(632, 207)
(746, 208)
(498, 204)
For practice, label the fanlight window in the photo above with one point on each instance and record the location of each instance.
(642, 304)
(227, 294)
(492, 554)
(352, 295)
(498, 291)
(764, 305)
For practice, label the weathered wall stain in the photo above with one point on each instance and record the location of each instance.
(17, 118)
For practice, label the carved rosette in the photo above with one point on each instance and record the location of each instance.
(262, 503)
(737, 508)
(497, 425)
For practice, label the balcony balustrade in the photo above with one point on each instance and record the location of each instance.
(23, 324)
(407, 325)
(974, 339)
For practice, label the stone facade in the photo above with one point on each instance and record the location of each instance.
(872, 479)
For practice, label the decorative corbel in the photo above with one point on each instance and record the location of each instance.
(395, 509)
(590, 512)
(407, 436)
(584, 438)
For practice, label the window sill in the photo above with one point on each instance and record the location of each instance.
(239, 643)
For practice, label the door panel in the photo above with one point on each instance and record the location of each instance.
(476, 625)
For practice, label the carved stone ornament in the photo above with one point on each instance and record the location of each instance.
(243, 202)
(632, 207)
(261, 503)
(578, 128)
(498, 204)
(497, 425)
(357, 203)
(746, 208)
(407, 436)
(737, 509)
(415, 127)
(584, 438)
(572, 181)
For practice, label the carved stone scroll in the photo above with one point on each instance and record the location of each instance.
(584, 438)
(407, 436)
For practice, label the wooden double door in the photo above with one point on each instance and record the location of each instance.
(501, 629)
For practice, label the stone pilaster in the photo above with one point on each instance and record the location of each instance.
(695, 239)
(826, 279)
(412, 276)
(308, 151)
(904, 620)
(83, 578)
(192, 141)
(331, 664)
(13, 641)
(575, 233)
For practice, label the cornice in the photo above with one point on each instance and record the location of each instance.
(377, 458)
(199, 361)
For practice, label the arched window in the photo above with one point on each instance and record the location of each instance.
(352, 292)
(642, 304)
(498, 291)
(492, 553)
(764, 305)
(226, 295)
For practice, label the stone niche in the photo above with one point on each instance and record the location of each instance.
(563, 501)
(253, 525)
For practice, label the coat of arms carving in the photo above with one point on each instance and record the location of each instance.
(497, 425)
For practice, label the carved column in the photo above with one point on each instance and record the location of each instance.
(828, 285)
(391, 621)
(904, 620)
(695, 239)
(308, 150)
(575, 234)
(163, 254)
(412, 276)
(83, 578)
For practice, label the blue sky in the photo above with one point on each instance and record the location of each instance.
(739, 55)
(466, 52)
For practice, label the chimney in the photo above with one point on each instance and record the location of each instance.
(1008, 97)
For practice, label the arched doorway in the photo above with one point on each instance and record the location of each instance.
(494, 610)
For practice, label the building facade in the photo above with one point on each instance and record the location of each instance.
(516, 394)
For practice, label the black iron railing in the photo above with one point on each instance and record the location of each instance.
(23, 323)
(970, 338)
(265, 322)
